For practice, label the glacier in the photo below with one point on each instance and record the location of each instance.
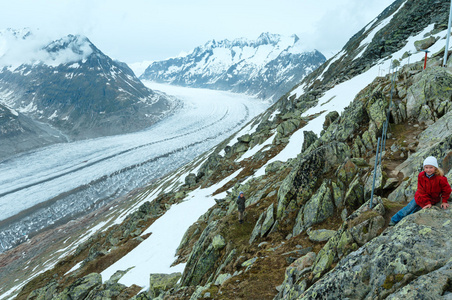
(60, 182)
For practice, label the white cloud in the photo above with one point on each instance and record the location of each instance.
(138, 30)
(17, 49)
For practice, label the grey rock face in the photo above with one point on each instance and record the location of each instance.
(419, 244)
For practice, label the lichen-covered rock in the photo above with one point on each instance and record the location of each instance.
(49, 291)
(437, 132)
(292, 287)
(81, 287)
(368, 229)
(419, 244)
(319, 208)
(379, 181)
(287, 127)
(199, 292)
(203, 257)
(268, 221)
(227, 260)
(355, 193)
(307, 171)
(160, 283)
(330, 118)
(218, 242)
(433, 285)
(309, 138)
(190, 180)
(320, 235)
(376, 108)
(249, 262)
(257, 228)
(106, 291)
(141, 296)
(316, 210)
(246, 138)
(430, 88)
(274, 167)
(222, 278)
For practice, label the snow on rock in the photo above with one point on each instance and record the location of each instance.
(157, 252)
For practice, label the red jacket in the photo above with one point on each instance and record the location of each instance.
(431, 190)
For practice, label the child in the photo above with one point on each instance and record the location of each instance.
(241, 206)
(432, 186)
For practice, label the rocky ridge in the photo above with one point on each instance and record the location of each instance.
(309, 231)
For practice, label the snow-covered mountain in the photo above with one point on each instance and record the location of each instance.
(267, 67)
(72, 86)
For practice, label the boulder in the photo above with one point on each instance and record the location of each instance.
(425, 43)
(437, 132)
(190, 180)
(285, 128)
(309, 138)
(321, 235)
(222, 278)
(218, 242)
(330, 118)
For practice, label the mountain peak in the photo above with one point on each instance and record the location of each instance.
(268, 38)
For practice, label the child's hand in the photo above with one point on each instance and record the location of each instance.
(444, 205)
(427, 206)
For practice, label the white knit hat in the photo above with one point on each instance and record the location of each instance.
(431, 161)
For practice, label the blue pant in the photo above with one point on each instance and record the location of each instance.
(411, 208)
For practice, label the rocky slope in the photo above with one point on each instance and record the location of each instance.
(267, 67)
(70, 85)
(310, 231)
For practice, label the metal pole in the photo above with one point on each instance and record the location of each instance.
(446, 49)
(425, 60)
(375, 174)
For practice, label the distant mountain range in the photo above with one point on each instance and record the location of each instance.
(267, 67)
(71, 86)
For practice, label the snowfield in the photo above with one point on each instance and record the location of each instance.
(64, 180)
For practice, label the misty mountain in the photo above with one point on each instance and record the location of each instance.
(267, 67)
(70, 85)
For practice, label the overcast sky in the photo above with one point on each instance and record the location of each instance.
(138, 30)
